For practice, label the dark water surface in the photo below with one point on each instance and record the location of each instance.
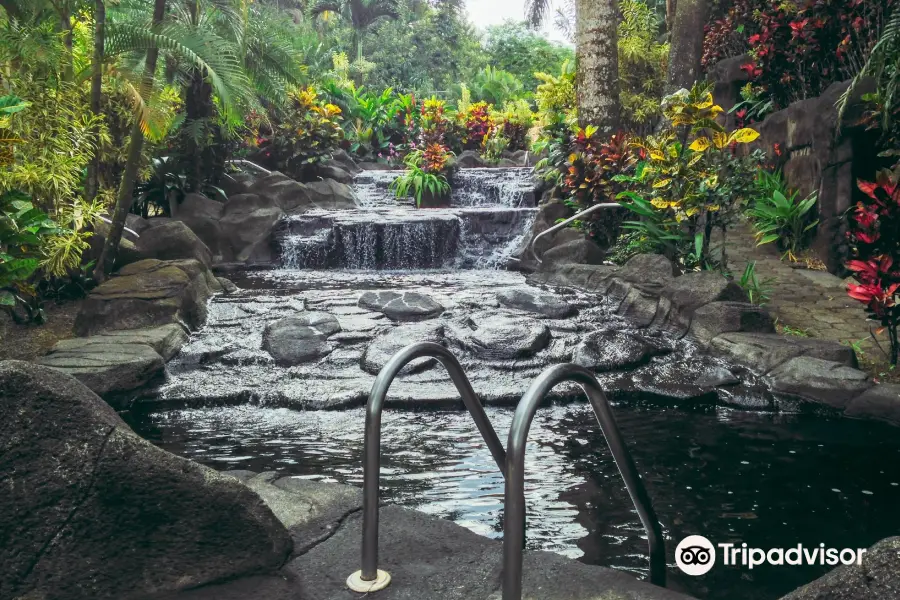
(765, 479)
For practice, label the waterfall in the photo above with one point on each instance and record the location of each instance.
(491, 212)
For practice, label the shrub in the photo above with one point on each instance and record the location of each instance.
(799, 53)
(691, 175)
(643, 63)
(516, 119)
(874, 234)
(479, 126)
(784, 219)
(727, 37)
(424, 175)
(306, 133)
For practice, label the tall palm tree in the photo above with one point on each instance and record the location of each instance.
(596, 46)
(360, 14)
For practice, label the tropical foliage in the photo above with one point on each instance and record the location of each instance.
(875, 239)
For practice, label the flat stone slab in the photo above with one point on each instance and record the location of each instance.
(107, 368)
(389, 342)
(300, 339)
(500, 337)
(401, 306)
(166, 340)
(536, 301)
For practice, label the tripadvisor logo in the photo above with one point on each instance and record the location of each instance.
(696, 555)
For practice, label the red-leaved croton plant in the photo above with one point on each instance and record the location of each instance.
(874, 234)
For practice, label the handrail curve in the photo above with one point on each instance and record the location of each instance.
(514, 503)
(562, 224)
(372, 449)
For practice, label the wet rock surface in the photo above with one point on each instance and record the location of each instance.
(401, 306)
(92, 511)
(502, 349)
(536, 301)
(301, 339)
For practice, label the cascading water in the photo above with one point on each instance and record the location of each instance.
(491, 211)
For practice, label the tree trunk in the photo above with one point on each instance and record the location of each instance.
(93, 183)
(671, 6)
(687, 44)
(195, 149)
(65, 18)
(596, 44)
(135, 146)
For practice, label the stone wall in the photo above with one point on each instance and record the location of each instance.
(812, 157)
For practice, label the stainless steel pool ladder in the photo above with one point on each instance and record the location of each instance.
(511, 463)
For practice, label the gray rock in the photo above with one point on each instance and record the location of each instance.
(247, 227)
(590, 278)
(435, 559)
(228, 286)
(644, 268)
(692, 379)
(716, 318)
(106, 368)
(330, 195)
(583, 252)
(392, 340)
(881, 402)
(877, 578)
(165, 340)
(198, 205)
(500, 337)
(689, 292)
(92, 511)
(301, 339)
(763, 352)
(536, 301)
(332, 169)
(401, 306)
(470, 159)
(616, 350)
(375, 166)
(716, 377)
(148, 293)
(171, 241)
(347, 162)
(818, 380)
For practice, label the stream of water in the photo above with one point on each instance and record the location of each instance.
(769, 479)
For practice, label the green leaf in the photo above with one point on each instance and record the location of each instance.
(7, 298)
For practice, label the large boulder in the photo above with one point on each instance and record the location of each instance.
(202, 215)
(90, 511)
(648, 268)
(536, 301)
(470, 159)
(165, 340)
(332, 169)
(579, 251)
(716, 318)
(818, 380)
(304, 338)
(329, 194)
(247, 227)
(346, 161)
(401, 306)
(172, 241)
(877, 578)
(148, 293)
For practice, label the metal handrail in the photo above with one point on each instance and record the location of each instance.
(514, 503)
(252, 165)
(561, 225)
(372, 451)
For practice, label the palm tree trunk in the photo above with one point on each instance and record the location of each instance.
(596, 44)
(135, 146)
(687, 43)
(93, 183)
(68, 38)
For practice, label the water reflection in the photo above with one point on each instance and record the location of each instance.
(768, 480)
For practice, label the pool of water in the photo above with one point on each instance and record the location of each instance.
(770, 480)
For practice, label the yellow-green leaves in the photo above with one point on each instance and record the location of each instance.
(744, 136)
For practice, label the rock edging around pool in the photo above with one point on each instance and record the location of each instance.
(133, 323)
(91, 511)
(716, 313)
